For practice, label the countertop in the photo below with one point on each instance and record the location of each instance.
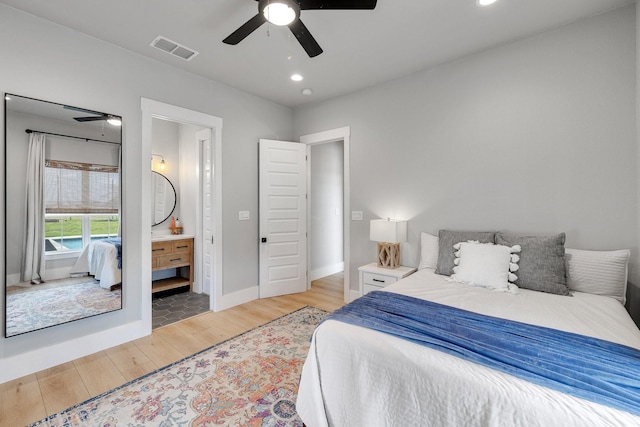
(164, 237)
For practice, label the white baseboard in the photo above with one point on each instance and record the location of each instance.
(58, 273)
(237, 298)
(53, 274)
(13, 279)
(353, 294)
(43, 358)
(321, 272)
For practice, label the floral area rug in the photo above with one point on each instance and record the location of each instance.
(42, 308)
(249, 380)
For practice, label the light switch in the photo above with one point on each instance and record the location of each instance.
(356, 215)
(243, 215)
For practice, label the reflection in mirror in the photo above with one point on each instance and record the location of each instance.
(63, 251)
(163, 198)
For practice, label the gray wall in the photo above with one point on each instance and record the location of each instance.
(536, 136)
(326, 234)
(164, 141)
(47, 61)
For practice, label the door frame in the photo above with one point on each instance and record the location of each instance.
(156, 109)
(340, 134)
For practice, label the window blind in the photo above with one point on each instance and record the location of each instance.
(81, 188)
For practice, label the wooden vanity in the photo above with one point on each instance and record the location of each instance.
(172, 252)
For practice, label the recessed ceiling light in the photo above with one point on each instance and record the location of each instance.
(486, 2)
(307, 91)
(296, 77)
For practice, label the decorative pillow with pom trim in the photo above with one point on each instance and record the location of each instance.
(486, 265)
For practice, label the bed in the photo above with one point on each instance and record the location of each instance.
(356, 376)
(102, 259)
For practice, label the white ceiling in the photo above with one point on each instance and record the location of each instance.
(361, 48)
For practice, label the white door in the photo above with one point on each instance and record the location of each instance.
(283, 218)
(208, 221)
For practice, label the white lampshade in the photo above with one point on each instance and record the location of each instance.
(388, 230)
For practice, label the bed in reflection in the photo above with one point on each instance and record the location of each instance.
(102, 259)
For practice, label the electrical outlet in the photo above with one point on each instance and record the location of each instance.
(356, 215)
(243, 215)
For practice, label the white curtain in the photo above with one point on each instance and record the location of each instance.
(33, 251)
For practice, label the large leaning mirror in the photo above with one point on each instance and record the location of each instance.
(63, 248)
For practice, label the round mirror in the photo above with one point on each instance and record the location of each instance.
(163, 198)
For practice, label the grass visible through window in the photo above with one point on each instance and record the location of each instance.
(68, 226)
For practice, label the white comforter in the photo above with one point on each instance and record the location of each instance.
(99, 259)
(358, 377)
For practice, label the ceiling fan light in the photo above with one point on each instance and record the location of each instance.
(115, 121)
(279, 13)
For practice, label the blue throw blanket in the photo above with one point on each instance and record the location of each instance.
(117, 242)
(588, 368)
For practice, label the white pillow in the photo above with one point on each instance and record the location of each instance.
(428, 251)
(598, 272)
(486, 265)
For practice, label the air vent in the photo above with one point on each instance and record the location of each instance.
(173, 48)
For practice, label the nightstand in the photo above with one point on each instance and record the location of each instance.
(373, 278)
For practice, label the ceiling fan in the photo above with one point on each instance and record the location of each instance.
(287, 12)
(110, 118)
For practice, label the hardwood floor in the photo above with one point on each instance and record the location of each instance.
(31, 398)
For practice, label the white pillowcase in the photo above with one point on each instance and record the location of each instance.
(598, 272)
(486, 265)
(428, 251)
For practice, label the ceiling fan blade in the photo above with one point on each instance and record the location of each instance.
(305, 38)
(89, 119)
(247, 28)
(81, 110)
(338, 4)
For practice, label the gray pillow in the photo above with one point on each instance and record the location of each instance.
(542, 265)
(446, 240)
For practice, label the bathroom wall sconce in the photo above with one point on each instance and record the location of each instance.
(162, 163)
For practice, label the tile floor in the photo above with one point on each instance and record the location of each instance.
(170, 307)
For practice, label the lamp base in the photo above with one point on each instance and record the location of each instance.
(388, 255)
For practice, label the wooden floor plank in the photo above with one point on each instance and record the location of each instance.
(181, 341)
(99, 374)
(63, 390)
(158, 350)
(131, 361)
(21, 402)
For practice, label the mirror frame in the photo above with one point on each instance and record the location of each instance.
(175, 200)
(76, 111)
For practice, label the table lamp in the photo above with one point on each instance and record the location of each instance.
(388, 233)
